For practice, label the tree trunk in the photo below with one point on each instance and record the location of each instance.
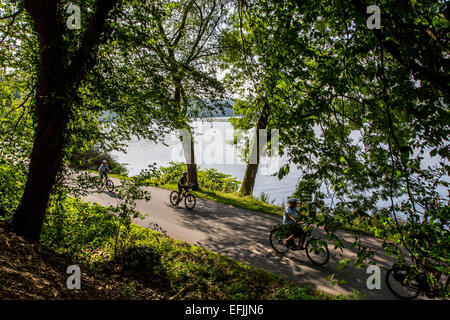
(192, 168)
(51, 115)
(187, 137)
(249, 179)
(188, 148)
(192, 175)
(46, 158)
(56, 88)
(251, 170)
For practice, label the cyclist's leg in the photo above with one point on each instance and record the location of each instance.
(180, 192)
(300, 234)
(288, 239)
(291, 238)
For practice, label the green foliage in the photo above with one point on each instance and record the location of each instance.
(12, 181)
(209, 179)
(143, 262)
(88, 232)
(79, 229)
(16, 127)
(237, 200)
(292, 293)
(264, 197)
(92, 158)
(179, 265)
(358, 111)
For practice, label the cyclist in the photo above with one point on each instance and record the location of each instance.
(103, 170)
(295, 227)
(182, 184)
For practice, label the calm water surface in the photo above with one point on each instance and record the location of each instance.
(211, 151)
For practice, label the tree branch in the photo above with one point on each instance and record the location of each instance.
(12, 15)
(179, 33)
(83, 57)
(439, 80)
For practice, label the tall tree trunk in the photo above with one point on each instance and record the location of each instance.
(249, 179)
(188, 148)
(187, 139)
(192, 168)
(57, 85)
(51, 115)
(192, 175)
(251, 170)
(46, 158)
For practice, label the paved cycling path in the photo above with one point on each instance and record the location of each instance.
(244, 236)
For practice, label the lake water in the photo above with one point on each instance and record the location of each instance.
(212, 150)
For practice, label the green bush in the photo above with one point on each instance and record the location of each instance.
(208, 179)
(92, 159)
(172, 173)
(211, 179)
(12, 182)
(77, 228)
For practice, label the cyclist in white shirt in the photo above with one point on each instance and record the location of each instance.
(295, 227)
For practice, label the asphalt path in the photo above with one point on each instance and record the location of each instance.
(244, 236)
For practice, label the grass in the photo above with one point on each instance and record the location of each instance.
(233, 199)
(201, 274)
(174, 269)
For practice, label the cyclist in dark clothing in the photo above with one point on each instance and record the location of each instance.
(182, 184)
(103, 170)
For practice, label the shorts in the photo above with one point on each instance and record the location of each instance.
(180, 189)
(295, 229)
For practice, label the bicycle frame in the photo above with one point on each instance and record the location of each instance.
(308, 243)
(306, 236)
(103, 182)
(186, 191)
(176, 197)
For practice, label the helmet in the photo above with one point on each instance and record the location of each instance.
(292, 200)
(184, 172)
(104, 161)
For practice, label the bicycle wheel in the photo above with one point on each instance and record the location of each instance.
(109, 185)
(174, 198)
(189, 201)
(317, 251)
(403, 284)
(276, 241)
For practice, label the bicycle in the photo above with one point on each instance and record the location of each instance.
(407, 283)
(105, 182)
(316, 249)
(189, 198)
